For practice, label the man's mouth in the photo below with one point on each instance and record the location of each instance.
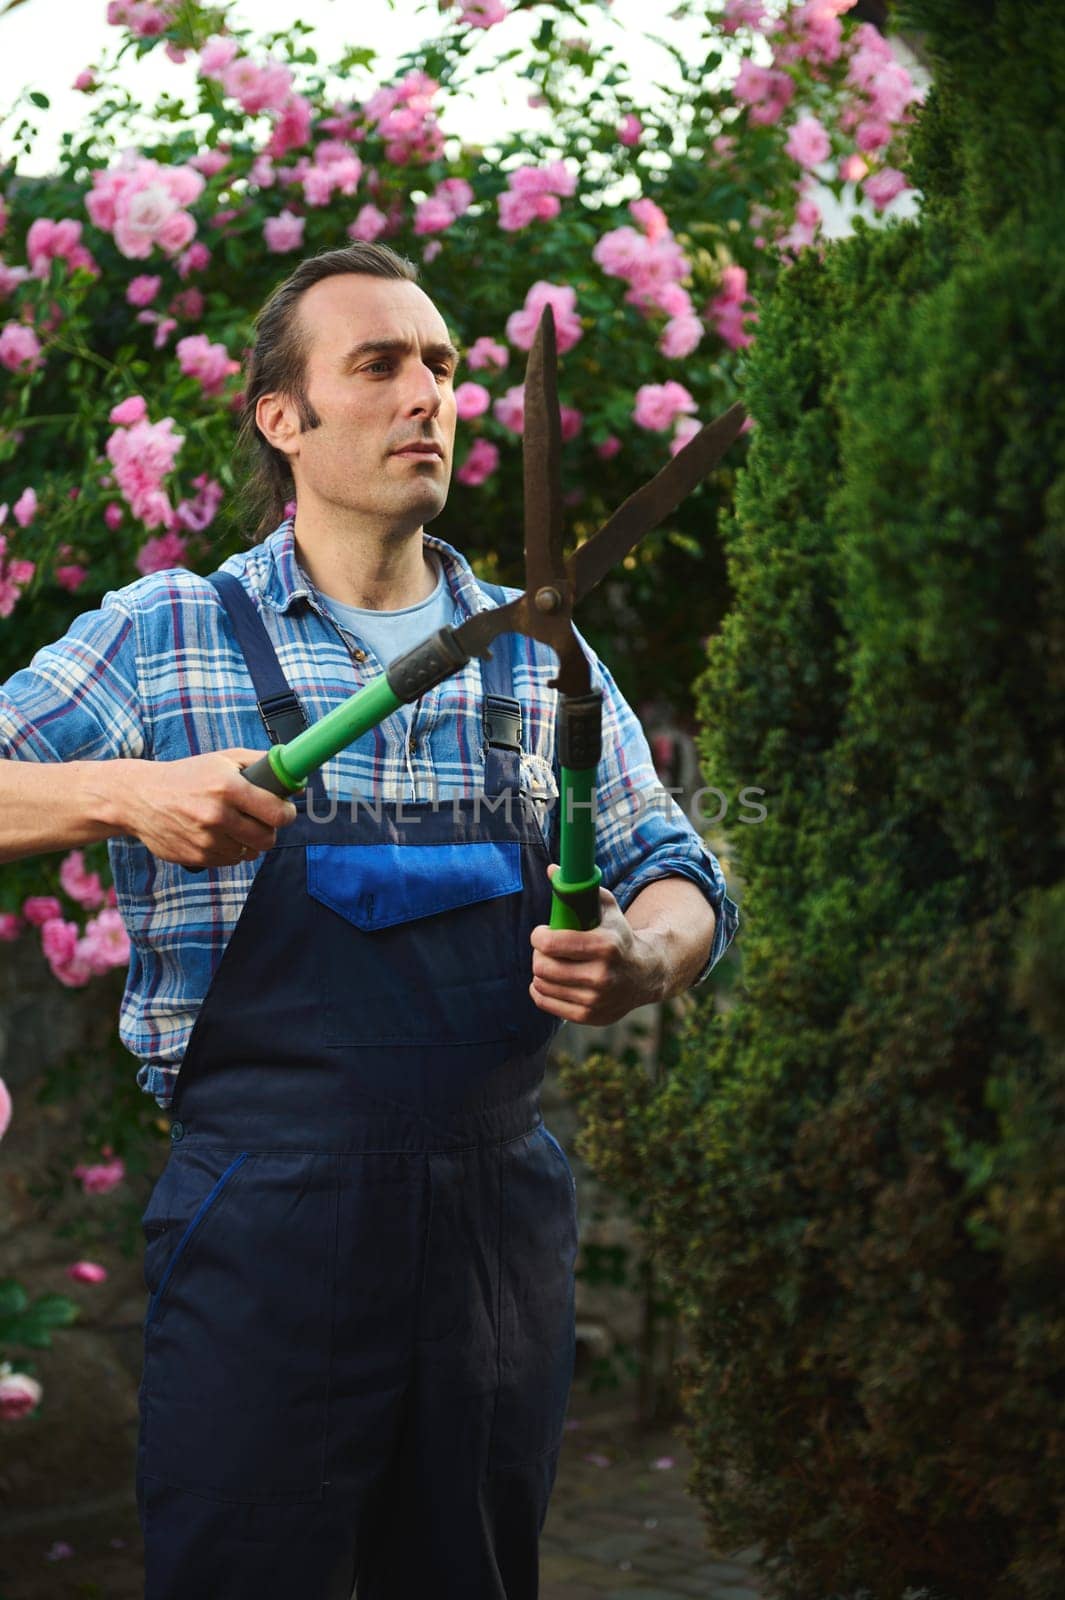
(420, 447)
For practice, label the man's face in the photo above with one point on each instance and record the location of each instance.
(380, 374)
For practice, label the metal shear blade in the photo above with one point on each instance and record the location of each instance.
(554, 584)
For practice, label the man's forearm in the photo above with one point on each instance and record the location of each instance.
(674, 916)
(58, 805)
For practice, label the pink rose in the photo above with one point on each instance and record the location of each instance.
(742, 14)
(195, 258)
(884, 185)
(85, 80)
(5, 1108)
(142, 290)
(509, 411)
(41, 908)
(216, 56)
(609, 448)
(102, 1177)
(471, 400)
(522, 325)
(19, 1395)
(369, 224)
(284, 232)
(113, 515)
(87, 1272)
(432, 215)
(480, 463)
(71, 577)
(210, 363)
(571, 422)
(680, 337)
(486, 352)
(58, 939)
(20, 348)
(176, 232)
(684, 433)
(853, 167)
(25, 508)
(82, 886)
(630, 130)
(292, 129)
(133, 409)
(872, 135)
(10, 928)
(105, 942)
(156, 555)
(483, 13)
(659, 404)
(808, 143)
(210, 162)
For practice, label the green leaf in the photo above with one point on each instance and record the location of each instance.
(39, 99)
(13, 1297)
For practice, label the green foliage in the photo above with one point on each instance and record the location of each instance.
(856, 1177)
(23, 1322)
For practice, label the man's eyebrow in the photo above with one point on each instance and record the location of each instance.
(376, 347)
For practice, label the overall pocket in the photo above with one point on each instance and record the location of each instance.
(419, 944)
(239, 1264)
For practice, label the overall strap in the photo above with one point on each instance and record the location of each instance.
(501, 715)
(283, 716)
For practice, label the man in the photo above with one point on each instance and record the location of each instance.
(359, 1343)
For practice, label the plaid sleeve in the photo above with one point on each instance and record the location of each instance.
(641, 832)
(78, 699)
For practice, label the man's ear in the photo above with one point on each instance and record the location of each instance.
(278, 422)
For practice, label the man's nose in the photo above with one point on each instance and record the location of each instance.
(423, 391)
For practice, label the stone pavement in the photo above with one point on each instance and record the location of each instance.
(619, 1528)
(621, 1525)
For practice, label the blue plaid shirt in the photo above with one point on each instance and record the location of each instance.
(155, 673)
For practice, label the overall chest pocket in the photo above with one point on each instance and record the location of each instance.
(239, 1263)
(419, 944)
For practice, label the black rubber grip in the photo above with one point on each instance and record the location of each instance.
(584, 902)
(429, 663)
(580, 731)
(262, 774)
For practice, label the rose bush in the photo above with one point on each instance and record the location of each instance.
(129, 277)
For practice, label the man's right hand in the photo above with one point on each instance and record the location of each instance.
(200, 812)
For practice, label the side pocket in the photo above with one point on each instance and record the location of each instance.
(158, 1228)
(549, 1136)
(235, 1392)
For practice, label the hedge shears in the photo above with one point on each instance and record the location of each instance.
(544, 611)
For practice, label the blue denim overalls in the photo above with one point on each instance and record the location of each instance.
(360, 1337)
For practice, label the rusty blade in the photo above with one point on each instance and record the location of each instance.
(542, 457)
(650, 505)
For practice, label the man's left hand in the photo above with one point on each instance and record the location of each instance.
(597, 976)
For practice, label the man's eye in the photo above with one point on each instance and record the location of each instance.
(377, 366)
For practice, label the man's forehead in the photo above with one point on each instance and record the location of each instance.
(358, 307)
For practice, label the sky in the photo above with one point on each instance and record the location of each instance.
(44, 44)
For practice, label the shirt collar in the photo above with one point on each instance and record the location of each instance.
(280, 580)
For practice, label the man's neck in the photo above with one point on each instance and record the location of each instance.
(374, 570)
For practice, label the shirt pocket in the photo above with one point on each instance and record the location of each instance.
(419, 944)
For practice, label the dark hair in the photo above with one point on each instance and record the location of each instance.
(276, 364)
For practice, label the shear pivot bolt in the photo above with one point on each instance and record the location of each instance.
(548, 600)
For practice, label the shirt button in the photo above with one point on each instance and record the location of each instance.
(412, 744)
(177, 1131)
(358, 655)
